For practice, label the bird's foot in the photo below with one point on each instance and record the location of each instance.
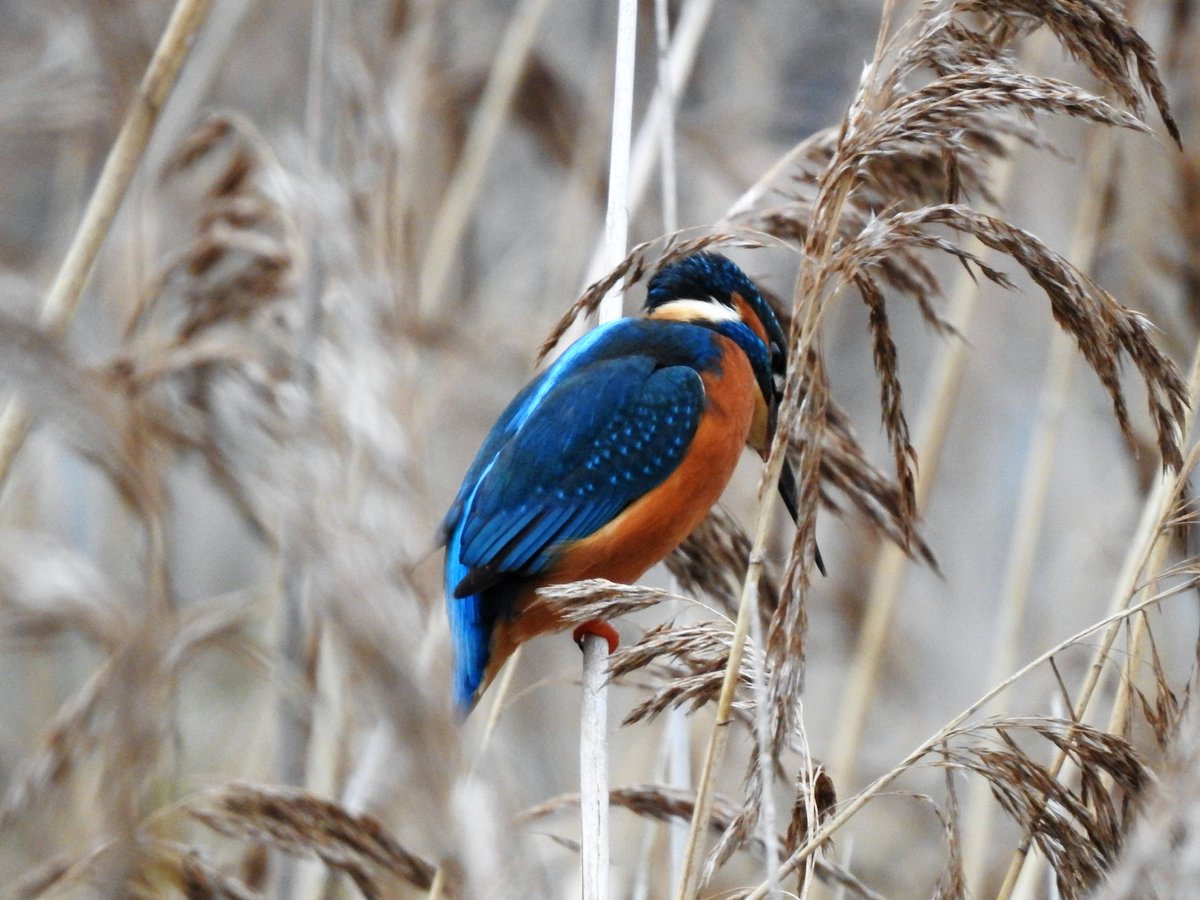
(599, 629)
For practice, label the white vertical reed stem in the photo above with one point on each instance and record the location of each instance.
(616, 220)
(119, 168)
(679, 774)
(593, 768)
(593, 731)
(666, 104)
(685, 44)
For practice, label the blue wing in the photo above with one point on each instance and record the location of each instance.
(603, 426)
(602, 438)
(518, 411)
(669, 343)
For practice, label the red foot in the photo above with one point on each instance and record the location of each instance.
(599, 629)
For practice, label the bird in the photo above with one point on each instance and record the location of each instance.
(606, 461)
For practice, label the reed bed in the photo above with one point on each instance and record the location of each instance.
(271, 270)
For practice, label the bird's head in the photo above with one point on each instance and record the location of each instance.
(710, 289)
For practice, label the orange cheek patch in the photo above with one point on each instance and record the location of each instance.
(758, 428)
(750, 317)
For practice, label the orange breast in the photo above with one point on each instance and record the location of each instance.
(656, 523)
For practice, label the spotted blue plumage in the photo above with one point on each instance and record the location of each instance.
(605, 424)
(602, 427)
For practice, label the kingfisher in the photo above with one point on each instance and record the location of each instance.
(607, 460)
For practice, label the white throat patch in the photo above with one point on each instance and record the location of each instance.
(684, 310)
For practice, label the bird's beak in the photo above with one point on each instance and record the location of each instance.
(787, 479)
(787, 490)
(772, 420)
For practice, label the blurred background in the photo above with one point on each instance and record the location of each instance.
(332, 270)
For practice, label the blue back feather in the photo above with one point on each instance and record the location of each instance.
(605, 424)
(609, 421)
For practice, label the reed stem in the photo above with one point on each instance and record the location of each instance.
(850, 808)
(593, 731)
(120, 166)
(452, 216)
(593, 768)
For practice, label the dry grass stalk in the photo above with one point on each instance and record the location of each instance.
(687, 664)
(969, 89)
(884, 116)
(1156, 512)
(301, 824)
(1100, 179)
(665, 804)
(168, 868)
(937, 404)
(70, 737)
(815, 797)
(500, 92)
(953, 883)
(1103, 330)
(1161, 858)
(957, 725)
(1080, 832)
(849, 481)
(174, 867)
(210, 366)
(218, 357)
(1098, 324)
(119, 168)
(595, 598)
(1165, 712)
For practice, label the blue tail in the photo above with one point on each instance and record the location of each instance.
(470, 634)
